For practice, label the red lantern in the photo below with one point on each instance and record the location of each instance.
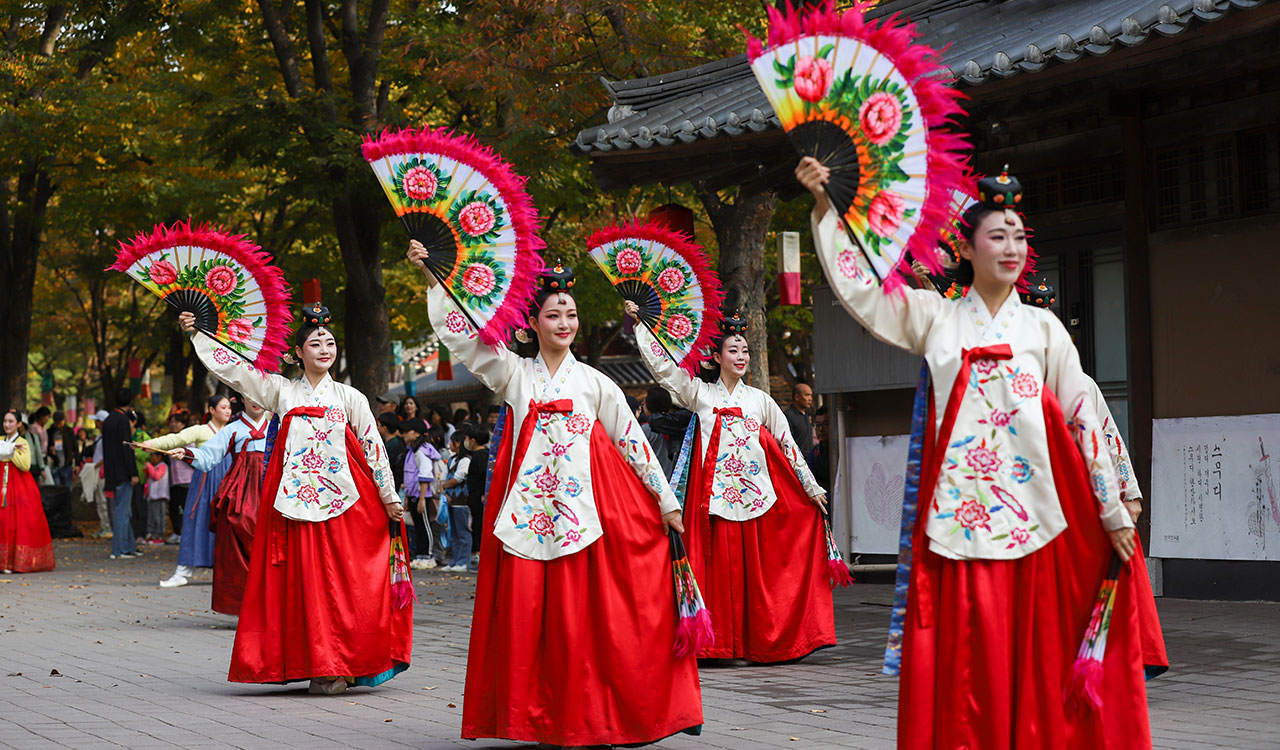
(675, 216)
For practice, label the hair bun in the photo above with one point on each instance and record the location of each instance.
(557, 279)
(733, 326)
(315, 315)
(1000, 192)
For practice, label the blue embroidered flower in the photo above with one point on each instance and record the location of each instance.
(1021, 470)
(572, 488)
(335, 466)
(1124, 471)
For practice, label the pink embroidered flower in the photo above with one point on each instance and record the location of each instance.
(239, 330)
(221, 280)
(547, 482)
(335, 415)
(657, 349)
(479, 279)
(679, 326)
(972, 515)
(1020, 535)
(455, 322)
(757, 504)
(542, 524)
(477, 219)
(985, 365)
(881, 117)
(312, 461)
(813, 78)
(1026, 385)
(885, 213)
(732, 496)
(734, 465)
(336, 505)
(983, 460)
(307, 494)
(559, 449)
(629, 260)
(1000, 418)
(420, 183)
(671, 280)
(572, 535)
(579, 424)
(163, 273)
(848, 263)
(221, 357)
(322, 436)
(751, 425)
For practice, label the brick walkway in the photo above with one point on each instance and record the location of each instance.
(140, 667)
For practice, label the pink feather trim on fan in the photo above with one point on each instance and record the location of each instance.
(258, 262)
(939, 104)
(712, 296)
(510, 185)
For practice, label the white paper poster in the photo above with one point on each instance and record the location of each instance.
(877, 468)
(1214, 488)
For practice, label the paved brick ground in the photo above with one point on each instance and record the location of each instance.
(140, 667)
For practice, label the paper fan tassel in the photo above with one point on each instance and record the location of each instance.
(402, 592)
(837, 569)
(1084, 687)
(693, 631)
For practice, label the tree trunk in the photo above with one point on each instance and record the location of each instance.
(741, 229)
(21, 250)
(368, 339)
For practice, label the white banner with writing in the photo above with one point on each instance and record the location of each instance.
(1215, 484)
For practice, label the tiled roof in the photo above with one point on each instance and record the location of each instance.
(982, 39)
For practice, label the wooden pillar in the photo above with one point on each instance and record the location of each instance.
(1137, 275)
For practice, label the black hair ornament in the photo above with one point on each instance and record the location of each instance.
(1001, 193)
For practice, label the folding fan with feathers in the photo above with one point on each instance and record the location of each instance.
(470, 210)
(871, 105)
(670, 280)
(237, 296)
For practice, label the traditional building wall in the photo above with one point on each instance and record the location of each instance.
(1215, 335)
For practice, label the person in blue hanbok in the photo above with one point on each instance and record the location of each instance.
(196, 548)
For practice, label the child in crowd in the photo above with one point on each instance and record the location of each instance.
(419, 479)
(455, 492)
(157, 497)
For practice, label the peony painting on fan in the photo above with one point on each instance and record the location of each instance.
(470, 210)
(238, 297)
(868, 103)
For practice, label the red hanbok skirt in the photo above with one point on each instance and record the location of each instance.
(989, 644)
(578, 650)
(25, 544)
(233, 517)
(764, 580)
(318, 601)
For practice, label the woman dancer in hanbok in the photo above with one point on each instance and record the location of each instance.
(25, 544)
(1018, 517)
(321, 602)
(756, 540)
(234, 508)
(575, 615)
(195, 548)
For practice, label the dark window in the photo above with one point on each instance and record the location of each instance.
(1222, 178)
